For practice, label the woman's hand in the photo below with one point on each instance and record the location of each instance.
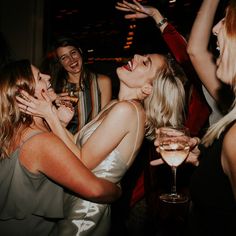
(35, 107)
(139, 11)
(44, 108)
(192, 156)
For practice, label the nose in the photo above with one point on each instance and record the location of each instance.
(216, 28)
(46, 77)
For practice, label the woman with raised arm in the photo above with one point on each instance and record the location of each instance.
(151, 95)
(35, 165)
(213, 185)
(204, 61)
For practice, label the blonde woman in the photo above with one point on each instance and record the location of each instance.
(213, 185)
(150, 96)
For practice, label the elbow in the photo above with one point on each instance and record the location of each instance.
(104, 194)
(191, 51)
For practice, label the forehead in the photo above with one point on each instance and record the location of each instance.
(157, 59)
(34, 69)
(63, 50)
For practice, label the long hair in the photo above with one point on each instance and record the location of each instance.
(58, 73)
(216, 129)
(166, 104)
(13, 77)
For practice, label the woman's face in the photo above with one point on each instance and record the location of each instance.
(221, 62)
(42, 82)
(70, 58)
(140, 70)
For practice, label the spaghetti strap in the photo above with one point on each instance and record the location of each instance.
(31, 136)
(137, 133)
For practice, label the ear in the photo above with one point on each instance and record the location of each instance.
(147, 89)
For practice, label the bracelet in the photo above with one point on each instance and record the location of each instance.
(162, 22)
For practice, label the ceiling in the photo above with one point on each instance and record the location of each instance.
(102, 30)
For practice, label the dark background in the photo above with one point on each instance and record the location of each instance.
(102, 28)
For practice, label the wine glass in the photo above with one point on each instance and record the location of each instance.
(174, 149)
(72, 93)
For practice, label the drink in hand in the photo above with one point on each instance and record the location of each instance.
(174, 154)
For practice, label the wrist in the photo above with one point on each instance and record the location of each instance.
(161, 22)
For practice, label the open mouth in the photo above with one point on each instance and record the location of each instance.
(49, 86)
(128, 66)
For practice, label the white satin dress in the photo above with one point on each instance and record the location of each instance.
(85, 218)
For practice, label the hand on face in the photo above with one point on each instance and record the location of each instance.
(44, 108)
(33, 106)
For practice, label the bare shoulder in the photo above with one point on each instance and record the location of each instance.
(104, 81)
(128, 108)
(42, 142)
(103, 78)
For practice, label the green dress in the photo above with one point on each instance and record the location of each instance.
(30, 204)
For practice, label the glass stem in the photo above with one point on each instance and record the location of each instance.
(173, 188)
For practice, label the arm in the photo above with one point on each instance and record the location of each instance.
(49, 155)
(200, 56)
(46, 110)
(176, 43)
(105, 86)
(122, 116)
(228, 157)
(119, 125)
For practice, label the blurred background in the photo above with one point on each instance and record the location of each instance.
(31, 25)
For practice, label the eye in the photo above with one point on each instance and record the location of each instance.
(145, 63)
(62, 58)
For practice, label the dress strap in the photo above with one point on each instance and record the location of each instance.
(34, 133)
(137, 133)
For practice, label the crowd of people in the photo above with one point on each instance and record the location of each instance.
(66, 145)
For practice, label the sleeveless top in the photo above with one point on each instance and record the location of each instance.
(85, 218)
(30, 204)
(89, 103)
(214, 205)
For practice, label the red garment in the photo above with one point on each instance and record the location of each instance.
(198, 109)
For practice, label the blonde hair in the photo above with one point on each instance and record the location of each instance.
(165, 106)
(15, 76)
(216, 129)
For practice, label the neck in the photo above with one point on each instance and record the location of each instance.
(39, 123)
(74, 78)
(126, 93)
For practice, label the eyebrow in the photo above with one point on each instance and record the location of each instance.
(149, 59)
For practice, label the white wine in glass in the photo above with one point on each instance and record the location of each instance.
(174, 149)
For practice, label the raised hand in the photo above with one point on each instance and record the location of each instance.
(33, 106)
(44, 108)
(139, 11)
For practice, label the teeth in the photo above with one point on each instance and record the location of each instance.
(218, 48)
(130, 65)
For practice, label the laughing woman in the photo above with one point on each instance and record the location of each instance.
(35, 165)
(151, 95)
(213, 186)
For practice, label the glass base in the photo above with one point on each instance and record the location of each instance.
(173, 198)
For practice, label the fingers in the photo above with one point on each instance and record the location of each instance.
(45, 96)
(156, 162)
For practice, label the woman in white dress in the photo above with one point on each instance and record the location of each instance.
(151, 95)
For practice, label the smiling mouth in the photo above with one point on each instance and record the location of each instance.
(128, 66)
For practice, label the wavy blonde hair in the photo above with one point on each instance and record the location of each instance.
(13, 77)
(216, 129)
(165, 106)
